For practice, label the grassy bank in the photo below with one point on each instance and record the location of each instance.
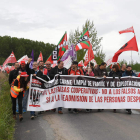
(7, 122)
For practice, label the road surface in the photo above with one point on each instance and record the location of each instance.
(104, 125)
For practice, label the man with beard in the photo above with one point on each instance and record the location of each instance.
(128, 72)
(123, 68)
(42, 68)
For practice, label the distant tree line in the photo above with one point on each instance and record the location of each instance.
(21, 46)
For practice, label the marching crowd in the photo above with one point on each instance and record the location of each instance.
(19, 80)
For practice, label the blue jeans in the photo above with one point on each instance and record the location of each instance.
(32, 113)
(59, 108)
(24, 102)
(16, 104)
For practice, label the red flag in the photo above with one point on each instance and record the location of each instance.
(127, 30)
(89, 56)
(10, 59)
(40, 58)
(59, 50)
(131, 45)
(12, 68)
(81, 64)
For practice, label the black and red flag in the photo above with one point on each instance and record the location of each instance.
(131, 45)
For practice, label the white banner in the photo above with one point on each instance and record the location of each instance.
(84, 92)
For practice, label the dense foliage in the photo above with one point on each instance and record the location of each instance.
(21, 47)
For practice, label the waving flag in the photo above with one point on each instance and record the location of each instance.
(10, 59)
(32, 56)
(83, 42)
(59, 50)
(40, 58)
(89, 55)
(131, 45)
(127, 30)
(109, 61)
(70, 52)
(23, 58)
(80, 64)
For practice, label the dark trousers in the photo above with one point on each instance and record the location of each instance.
(19, 97)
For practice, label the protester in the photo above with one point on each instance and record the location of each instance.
(128, 72)
(74, 71)
(115, 73)
(17, 91)
(48, 67)
(89, 72)
(95, 66)
(81, 68)
(23, 68)
(14, 73)
(12, 76)
(35, 73)
(101, 71)
(61, 71)
(42, 68)
(123, 68)
(92, 66)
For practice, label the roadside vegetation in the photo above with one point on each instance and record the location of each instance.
(7, 122)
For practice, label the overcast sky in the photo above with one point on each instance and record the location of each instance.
(47, 20)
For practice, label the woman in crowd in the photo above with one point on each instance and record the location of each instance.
(115, 73)
(17, 91)
(89, 73)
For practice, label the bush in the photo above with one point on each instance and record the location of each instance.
(7, 122)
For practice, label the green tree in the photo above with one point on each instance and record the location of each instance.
(95, 41)
(21, 46)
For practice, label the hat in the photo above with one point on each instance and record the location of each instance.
(22, 63)
(80, 65)
(24, 74)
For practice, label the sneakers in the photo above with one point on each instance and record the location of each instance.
(87, 110)
(60, 112)
(75, 111)
(24, 111)
(20, 117)
(114, 110)
(32, 117)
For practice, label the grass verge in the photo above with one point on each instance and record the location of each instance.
(7, 122)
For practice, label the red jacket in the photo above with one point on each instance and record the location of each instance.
(73, 72)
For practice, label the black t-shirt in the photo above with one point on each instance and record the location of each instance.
(60, 71)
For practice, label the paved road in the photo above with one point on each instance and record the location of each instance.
(104, 125)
